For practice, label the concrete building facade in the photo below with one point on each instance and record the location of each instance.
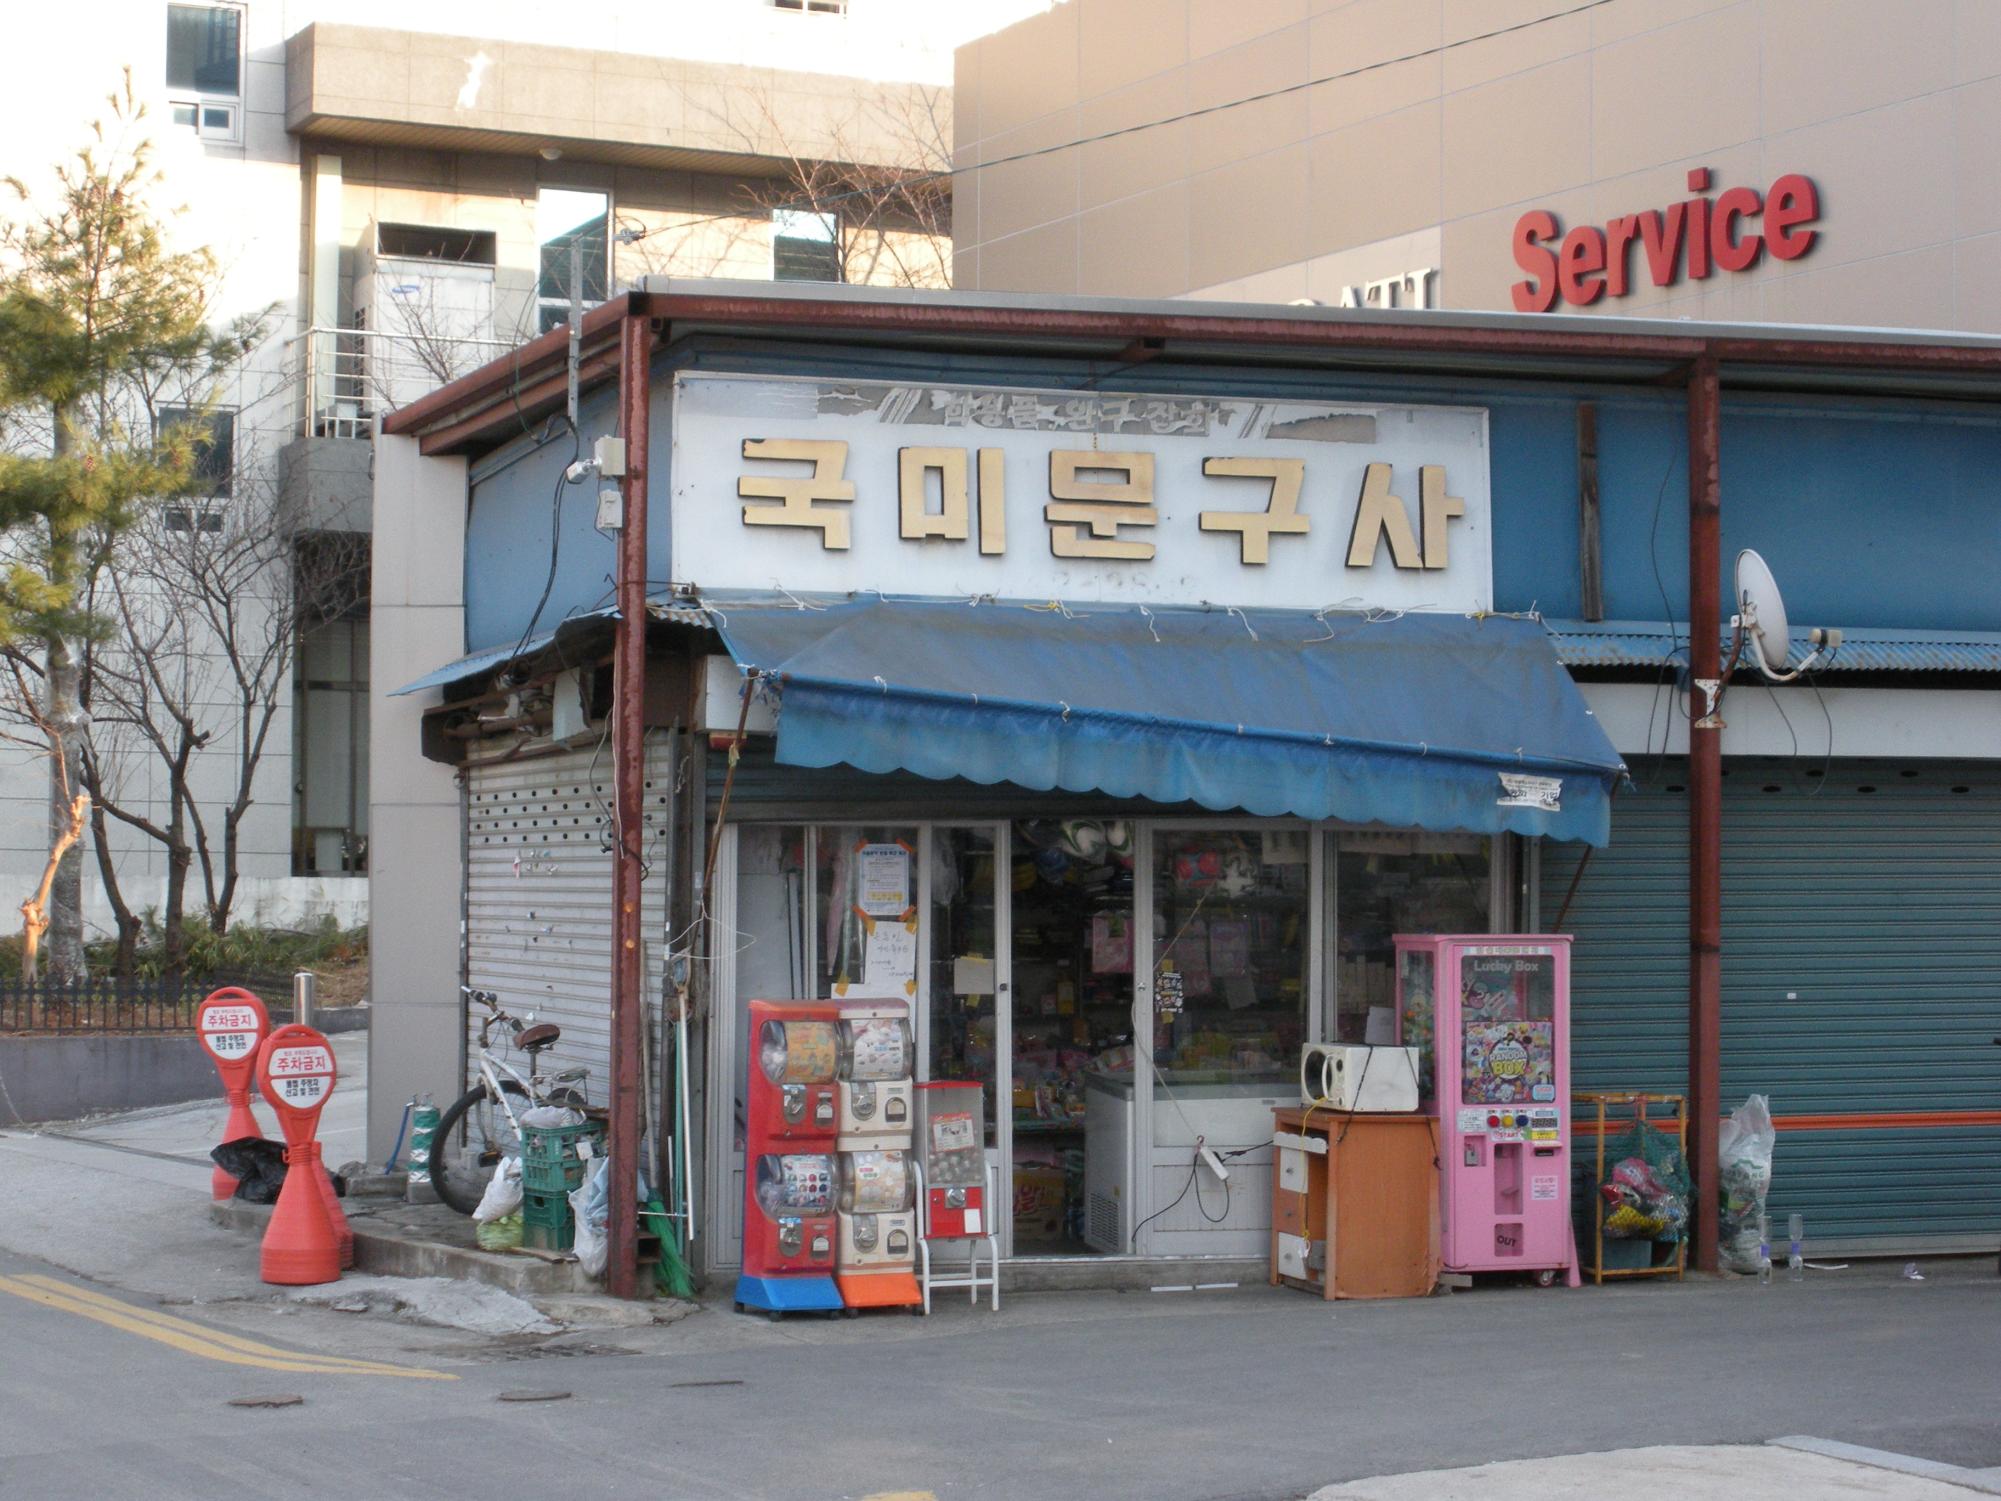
(1387, 152)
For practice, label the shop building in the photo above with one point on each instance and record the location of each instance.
(1158, 665)
(1408, 153)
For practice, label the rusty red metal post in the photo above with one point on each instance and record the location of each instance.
(628, 955)
(1705, 801)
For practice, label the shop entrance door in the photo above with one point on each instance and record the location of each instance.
(963, 1016)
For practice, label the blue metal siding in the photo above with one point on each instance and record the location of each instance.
(1861, 975)
(1853, 502)
(511, 501)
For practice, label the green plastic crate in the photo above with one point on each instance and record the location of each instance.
(549, 1157)
(546, 1221)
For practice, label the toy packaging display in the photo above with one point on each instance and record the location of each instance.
(1744, 1175)
(1646, 1188)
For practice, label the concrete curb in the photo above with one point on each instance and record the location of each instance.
(1983, 1481)
(381, 1251)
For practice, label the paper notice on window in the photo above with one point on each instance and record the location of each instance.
(972, 975)
(889, 962)
(883, 871)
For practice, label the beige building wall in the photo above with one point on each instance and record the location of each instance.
(1428, 161)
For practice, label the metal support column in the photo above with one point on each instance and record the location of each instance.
(628, 960)
(1705, 802)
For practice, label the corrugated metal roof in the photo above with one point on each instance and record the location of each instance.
(1653, 643)
(660, 607)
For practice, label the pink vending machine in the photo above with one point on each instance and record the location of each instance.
(1490, 1016)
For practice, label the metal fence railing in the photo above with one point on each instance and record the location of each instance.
(109, 1004)
(349, 375)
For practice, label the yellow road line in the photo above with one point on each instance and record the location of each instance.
(193, 1339)
(198, 1331)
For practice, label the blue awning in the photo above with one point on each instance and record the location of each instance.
(1444, 722)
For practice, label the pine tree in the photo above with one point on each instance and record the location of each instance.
(98, 318)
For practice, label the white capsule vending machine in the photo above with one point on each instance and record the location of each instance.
(877, 1059)
(877, 1262)
(1490, 1017)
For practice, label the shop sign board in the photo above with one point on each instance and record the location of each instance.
(1697, 237)
(836, 487)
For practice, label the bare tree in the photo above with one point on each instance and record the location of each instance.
(879, 181)
(209, 601)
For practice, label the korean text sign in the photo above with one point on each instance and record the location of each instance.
(824, 487)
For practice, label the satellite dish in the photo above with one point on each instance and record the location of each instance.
(1761, 616)
(1763, 613)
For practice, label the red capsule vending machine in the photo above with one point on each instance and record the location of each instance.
(1490, 1017)
(789, 1232)
(955, 1186)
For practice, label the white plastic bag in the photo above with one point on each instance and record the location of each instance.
(503, 1191)
(590, 1207)
(1744, 1174)
(543, 1117)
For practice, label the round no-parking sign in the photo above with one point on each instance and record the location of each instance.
(231, 1025)
(296, 1071)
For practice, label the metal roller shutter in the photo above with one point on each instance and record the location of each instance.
(538, 897)
(1861, 983)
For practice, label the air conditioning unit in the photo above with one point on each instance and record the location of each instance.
(426, 320)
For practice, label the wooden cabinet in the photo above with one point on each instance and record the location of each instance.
(1354, 1203)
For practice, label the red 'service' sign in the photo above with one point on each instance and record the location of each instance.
(1696, 237)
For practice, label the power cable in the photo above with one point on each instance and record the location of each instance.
(942, 174)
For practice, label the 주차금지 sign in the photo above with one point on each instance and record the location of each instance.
(825, 487)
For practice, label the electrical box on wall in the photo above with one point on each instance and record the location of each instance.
(720, 701)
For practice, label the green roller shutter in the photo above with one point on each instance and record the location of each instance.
(1861, 977)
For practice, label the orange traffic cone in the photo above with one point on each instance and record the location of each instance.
(336, 1216)
(300, 1246)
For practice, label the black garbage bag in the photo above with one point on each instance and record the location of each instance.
(258, 1166)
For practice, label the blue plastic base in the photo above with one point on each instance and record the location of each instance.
(812, 1293)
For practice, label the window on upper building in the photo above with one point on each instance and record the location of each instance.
(566, 217)
(205, 69)
(805, 246)
(815, 7)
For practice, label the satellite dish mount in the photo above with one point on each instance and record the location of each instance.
(1760, 623)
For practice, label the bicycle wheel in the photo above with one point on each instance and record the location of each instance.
(462, 1160)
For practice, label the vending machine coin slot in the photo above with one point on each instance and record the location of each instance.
(795, 1103)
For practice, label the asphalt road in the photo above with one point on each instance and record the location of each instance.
(1252, 1393)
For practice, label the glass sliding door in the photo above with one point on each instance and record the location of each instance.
(1231, 931)
(964, 1033)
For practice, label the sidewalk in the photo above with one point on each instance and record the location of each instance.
(1719, 1472)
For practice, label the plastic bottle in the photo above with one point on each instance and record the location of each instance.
(423, 1127)
(1764, 1251)
(1795, 1262)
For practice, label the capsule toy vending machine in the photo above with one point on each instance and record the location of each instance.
(1490, 1017)
(952, 1149)
(790, 1175)
(876, 1260)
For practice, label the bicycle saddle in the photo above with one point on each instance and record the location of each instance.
(538, 1036)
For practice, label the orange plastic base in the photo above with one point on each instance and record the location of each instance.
(300, 1246)
(892, 1287)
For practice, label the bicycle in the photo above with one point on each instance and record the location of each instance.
(486, 1112)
